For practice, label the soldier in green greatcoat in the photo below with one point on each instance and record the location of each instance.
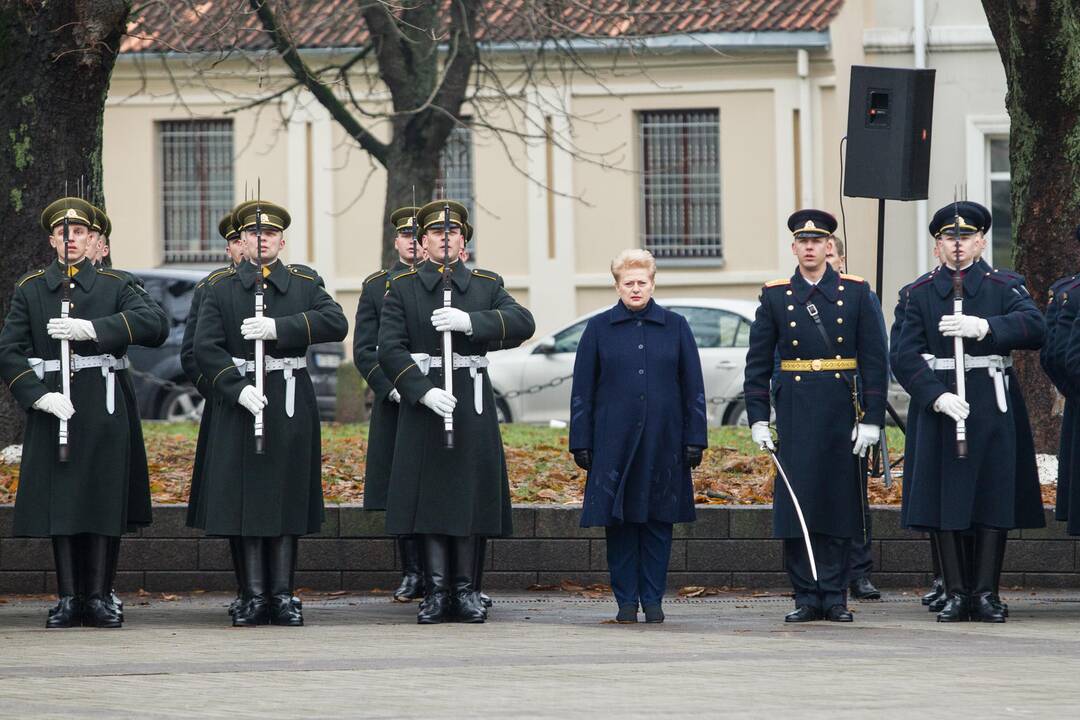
(81, 502)
(450, 496)
(196, 512)
(382, 429)
(267, 499)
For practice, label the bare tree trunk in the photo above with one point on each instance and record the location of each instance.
(57, 58)
(1039, 43)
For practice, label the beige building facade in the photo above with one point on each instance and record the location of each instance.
(744, 126)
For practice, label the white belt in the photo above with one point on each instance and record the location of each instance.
(272, 364)
(108, 364)
(995, 365)
(475, 363)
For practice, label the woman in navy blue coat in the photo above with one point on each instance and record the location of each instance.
(638, 426)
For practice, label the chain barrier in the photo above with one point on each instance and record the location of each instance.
(533, 389)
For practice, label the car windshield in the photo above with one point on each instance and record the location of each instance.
(714, 328)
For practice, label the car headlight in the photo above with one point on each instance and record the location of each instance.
(326, 361)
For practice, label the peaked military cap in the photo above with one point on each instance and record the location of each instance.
(106, 224)
(403, 218)
(467, 231)
(432, 213)
(76, 210)
(973, 218)
(227, 228)
(811, 223)
(271, 215)
(100, 222)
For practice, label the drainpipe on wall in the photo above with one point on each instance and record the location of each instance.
(919, 47)
(806, 134)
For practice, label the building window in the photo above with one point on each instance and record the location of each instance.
(196, 187)
(680, 184)
(1000, 179)
(455, 180)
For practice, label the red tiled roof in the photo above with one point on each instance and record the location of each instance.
(213, 25)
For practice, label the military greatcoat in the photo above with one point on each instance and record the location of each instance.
(89, 493)
(1062, 348)
(815, 413)
(280, 491)
(464, 490)
(382, 430)
(984, 489)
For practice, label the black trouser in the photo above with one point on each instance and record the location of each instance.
(831, 555)
(860, 558)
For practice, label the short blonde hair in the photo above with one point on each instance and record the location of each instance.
(633, 258)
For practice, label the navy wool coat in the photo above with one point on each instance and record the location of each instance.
(995, 484)
(814, 410)
(638, 401)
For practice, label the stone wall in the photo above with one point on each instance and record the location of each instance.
(727, 546)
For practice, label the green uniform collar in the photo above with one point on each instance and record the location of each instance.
(278, 277)
(54, 274)
(430, 273)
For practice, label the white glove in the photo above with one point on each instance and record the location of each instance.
(252, 400)
(56, 404)
(263, 328)
(394, 395)
(71, 329)
(440, 401)
(452, 319)
(950, 404)
(968, 326)
(759, 433)
(864, 435)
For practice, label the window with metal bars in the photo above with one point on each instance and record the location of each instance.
(455, 179)
(680, 184)
(196, 187)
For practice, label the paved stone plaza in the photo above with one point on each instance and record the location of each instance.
(544, 655)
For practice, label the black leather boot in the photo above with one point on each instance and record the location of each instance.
(237, 553)
(412, 576)
(478, 574)
(255, 609)
(1002, 538)
(953, 569)
(465, 606)
(436, 605)
(983, 605)
(296, 601)
(280, 552)
(114, 558)
(68, 612)
(98, 610)
(937, 588)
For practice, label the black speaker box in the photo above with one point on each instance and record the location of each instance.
(890, 113)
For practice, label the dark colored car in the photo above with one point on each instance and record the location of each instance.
(164, 392)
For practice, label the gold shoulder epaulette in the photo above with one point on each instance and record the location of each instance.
(296, 272)
(112, 274)
(374, 275)
(30, 276)
(778, 283)
(477, 273)
(852, 278)
(213, 275)
(213, 279)
(402, 274)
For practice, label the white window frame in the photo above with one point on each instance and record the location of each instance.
(980, 130)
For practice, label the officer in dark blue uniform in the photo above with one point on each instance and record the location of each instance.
(830, 408)
(987, 492)
(1063, 346)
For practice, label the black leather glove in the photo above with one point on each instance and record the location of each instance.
(583, 459)
(693, 455)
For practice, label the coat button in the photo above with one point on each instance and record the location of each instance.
(640, 347)
(639, 323)
(837, 376)
(641, 371)
(840, 303)
(839, 339)
(790, 307)
(641, 397)
(838, 357)
(788, 292)
(798, 378)
(839, 321)
(795, 343)
(841, 288)
(792, 323)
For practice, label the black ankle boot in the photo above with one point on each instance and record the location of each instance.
(984, 607)
(412, 577)
(436, 605)
(254, 610)
(953, 567)
(1003, 537)
(237, 553)
(465, 605)
(68, 612)
(478, 574)
(283, 611)
(937, 589)
(98, 610)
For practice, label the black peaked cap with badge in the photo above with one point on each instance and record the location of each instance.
(973, 218)
(811, 223)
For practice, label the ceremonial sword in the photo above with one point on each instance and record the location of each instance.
(798, 512)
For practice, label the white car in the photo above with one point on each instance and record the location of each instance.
(532, 382)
